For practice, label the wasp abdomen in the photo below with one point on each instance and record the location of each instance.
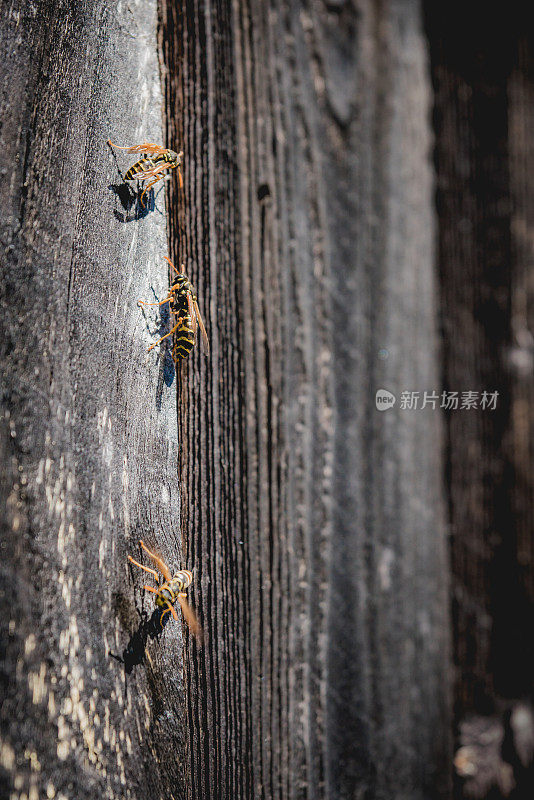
(184, 340)
(184, 337)
(137, 169)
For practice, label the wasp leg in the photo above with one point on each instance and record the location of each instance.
(173, 612)
(145, 190)
(146, 569)
(158, 173)
(163, 568)
(150, 589)
(161, 303)
(116, 145)
(170, 333)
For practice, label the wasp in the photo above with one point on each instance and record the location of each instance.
(184, 305)
(170, 591)
(154, 163)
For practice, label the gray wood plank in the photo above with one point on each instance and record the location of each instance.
(89, 426)
(483, 79)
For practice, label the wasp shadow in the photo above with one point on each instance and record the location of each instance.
(166, 374)
(149, 628)
(135, 207)
(132, 200)
(167, 369)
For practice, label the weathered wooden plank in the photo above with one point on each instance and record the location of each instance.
(483, 80)
(315, 523)
(474, 252)
(89, 434)
(517, 678)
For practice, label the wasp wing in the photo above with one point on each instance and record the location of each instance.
(191, 619)
(192, 314)
(151, 172)
(204, 335)
(146, 147)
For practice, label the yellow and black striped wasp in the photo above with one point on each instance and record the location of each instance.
(170, 591)
(155, 162)
(185, 308)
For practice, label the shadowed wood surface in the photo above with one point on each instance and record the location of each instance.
(483, 77)
(474, 208)
(483, 112)
(89, 437)
(314, 521)
(521, 356)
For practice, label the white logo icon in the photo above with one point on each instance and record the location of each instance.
(384, 400)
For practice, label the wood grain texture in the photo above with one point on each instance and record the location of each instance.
(483, 96)
(474, 208)
(314, 522)
(89, 433)
(520, 88)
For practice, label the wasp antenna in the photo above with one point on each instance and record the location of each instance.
(163, 568)
(142, 566)
(168, 260)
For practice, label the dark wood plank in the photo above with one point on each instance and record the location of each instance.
(483, 81)
(518, 680)
(474, 253)
(315, 522)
